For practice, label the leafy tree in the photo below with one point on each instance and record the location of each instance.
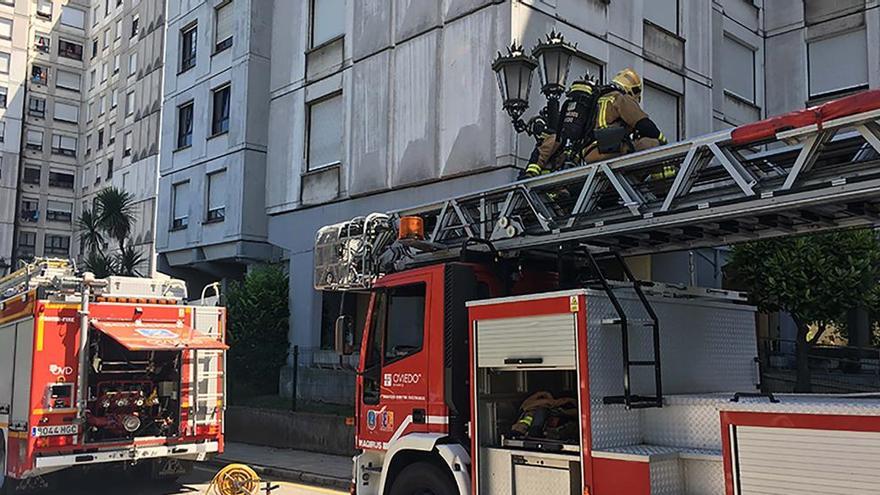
(816, 279)
(112, 218)
(257, 328)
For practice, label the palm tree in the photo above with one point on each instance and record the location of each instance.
(113, 218)
(127, 262)
(91, 237)
(116, 215)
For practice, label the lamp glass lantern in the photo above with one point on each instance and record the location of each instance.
(514, 74)
(554, 61)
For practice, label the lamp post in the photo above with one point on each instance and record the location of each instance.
(552, 56)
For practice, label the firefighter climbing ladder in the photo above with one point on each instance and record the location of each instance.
(808, 179)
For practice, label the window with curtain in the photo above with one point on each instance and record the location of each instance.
(188, 47)
(328, 20)
(325, 127)
(126, 144)
(185, 125)
(63, 145)
(216, 196)
(220, 113)
(59, 211)
(225, 25)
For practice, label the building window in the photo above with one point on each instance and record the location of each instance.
(135, 25)
(44, 9)
(129, 103)
(4, 63)
(88, 144)
(65, 112)
(69, 49)
(132, 64)
(738, 69)
(117, 62)
(2, 132)
(126, 144)
(224, 27)
(184, 125)
(27, 242)
(220, 113)
(37, 106)
(106, 38)
(90, 112)
(63, 145)
(664, 108)
(327, 21)
(188, 48)
(3, 91)
(67, 80)
(114, 98)
(100, 139)
(101, 105)
(32, 175)
(62, 180)
(72, 17)
(216, 196)
(30, 210)
(39, 75)
(5, 29)
(838, 63)
(663, 13)
(96, 15)
(57, 244)
(42, 42)
(94, 79)
(119, 29)
(105, 72)
(109, 168)
(95, 48)
(325, 133)
(59, 211)
(34, 140)
(111, 132)
(180, 205)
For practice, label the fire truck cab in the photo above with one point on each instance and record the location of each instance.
(92, 372)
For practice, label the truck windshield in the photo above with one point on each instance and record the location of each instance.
(405, 330)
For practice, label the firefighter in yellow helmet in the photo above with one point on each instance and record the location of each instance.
(621, 125)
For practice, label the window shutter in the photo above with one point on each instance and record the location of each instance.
(35, 137)
(663, 107)
(738, 69)
(327, 23)
(217, 190)
(181, 200)
(829, 71)
(66, 112)
(73, 17)
(68, 80)
(225, 22)
(59, 206)
(325, 132)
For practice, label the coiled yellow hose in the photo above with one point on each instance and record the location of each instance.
(235, 479)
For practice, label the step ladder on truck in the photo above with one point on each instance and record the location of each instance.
(105, 371)
(498, 356)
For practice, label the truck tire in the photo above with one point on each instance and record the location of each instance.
(7, 484)
(423, 478)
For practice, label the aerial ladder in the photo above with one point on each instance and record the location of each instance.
(809, 171)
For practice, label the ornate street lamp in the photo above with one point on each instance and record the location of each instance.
(514, 74)
(552, 57)
(554, 60)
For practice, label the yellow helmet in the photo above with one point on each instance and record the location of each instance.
(629, 82)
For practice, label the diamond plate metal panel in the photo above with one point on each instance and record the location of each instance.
(703, 477)
(705, 347)
(667, 477)
(685, 421)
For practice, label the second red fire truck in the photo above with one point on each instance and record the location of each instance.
(95, 372)
(499, 357)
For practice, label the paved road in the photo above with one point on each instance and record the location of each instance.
(195, 484)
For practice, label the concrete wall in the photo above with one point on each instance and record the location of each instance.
(323, 433)
(241, 236)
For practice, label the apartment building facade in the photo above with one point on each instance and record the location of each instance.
(80, 77)
(212, 222)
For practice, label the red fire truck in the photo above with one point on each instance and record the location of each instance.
(118, 370)
(508, 347)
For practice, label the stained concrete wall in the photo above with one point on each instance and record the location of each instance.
(323, 433)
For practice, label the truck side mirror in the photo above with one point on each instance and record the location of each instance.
(344, 335)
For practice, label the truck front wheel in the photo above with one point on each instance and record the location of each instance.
(423, 478)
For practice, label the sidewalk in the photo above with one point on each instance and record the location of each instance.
(291, 465)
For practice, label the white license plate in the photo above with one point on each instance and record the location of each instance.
(54, 431)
